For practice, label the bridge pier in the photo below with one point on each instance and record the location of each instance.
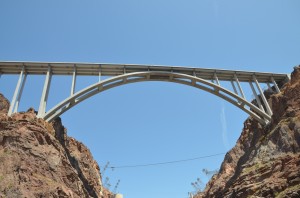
(269, 86)
(256, 97)
(275, 84)
(17, 94)
(262, 95)
(239, 86)
(20, 94)
(234, 88)
(45, 93)
(73, 81)
(216, 79)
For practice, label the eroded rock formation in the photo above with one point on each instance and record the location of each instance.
(265, 162)
(38, 159)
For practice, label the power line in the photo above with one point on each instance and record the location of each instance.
(163, 163)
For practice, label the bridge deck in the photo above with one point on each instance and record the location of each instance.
(93, 69)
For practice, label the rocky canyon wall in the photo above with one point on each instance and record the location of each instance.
(38, 159)
(265, 161)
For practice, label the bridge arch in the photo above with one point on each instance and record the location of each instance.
(180, 78)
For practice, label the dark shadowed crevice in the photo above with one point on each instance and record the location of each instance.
(61, 136)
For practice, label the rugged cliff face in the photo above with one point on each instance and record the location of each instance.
(38, 159)
(265, 162)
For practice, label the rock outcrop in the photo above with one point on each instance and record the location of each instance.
(38, 159)
(265, 162)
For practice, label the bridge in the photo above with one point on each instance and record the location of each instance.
(209, 80)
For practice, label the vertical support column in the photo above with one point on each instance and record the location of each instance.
(194, 81)
(256, 97)
(148, 75)
(239, 85)
(20, 94)
(269, 86)
(44, 98)
(171, 76)
(234, 88)
(262, 95)
(99, 73)
(73, 81)
(216, 79)
(275, 84)
(124, 72)
(16, 93)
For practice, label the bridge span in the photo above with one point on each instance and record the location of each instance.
(119, 74)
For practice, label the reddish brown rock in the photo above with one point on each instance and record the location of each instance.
(4, 104)
(265, 161)
(38, 159)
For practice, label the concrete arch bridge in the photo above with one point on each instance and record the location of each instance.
(208, 80)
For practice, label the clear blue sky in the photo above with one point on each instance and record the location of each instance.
(150, 122)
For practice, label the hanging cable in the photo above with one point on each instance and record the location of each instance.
(163, 163)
